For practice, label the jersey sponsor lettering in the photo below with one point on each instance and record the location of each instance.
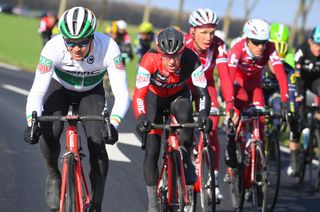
(118, 61)
(44, 65)
(87, 73)
(140, 106)
(143, 78)
(198, 77)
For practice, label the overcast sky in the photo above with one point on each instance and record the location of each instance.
(271, 10)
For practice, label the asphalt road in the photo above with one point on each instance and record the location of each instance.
(23, 173)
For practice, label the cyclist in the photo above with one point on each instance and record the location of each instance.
(70, 70)
(123, 39)
(307, 71)
(47, 23)
(160, 85)
(144, 39)
(211, 51)
(246, 60)
(279, 35)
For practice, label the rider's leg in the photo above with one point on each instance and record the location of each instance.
(181, 108)
(97, 150)
(150, 169)
(55, 104)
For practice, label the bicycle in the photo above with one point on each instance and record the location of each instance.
(251, 173)
(204, 164)
(310, 151)
(273, 157)
(173, 194)
(74, 194)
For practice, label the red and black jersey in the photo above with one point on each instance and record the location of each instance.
(154, 77)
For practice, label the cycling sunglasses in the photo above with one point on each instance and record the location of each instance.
(82, 43)
(258, 42)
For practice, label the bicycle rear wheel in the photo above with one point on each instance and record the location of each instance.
(260, 185)
(273, 169)
(207, 192)
(70, 199)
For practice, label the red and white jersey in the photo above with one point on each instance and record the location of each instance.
(215, 56)
(243, 65)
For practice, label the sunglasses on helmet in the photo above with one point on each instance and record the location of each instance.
(258, 42)
(81, 43)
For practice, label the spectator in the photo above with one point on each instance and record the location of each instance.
(47, 23)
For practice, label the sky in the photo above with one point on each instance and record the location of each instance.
(282, 11)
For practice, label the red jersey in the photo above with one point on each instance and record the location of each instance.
(216, 55)
(152, 76)
(243, 65)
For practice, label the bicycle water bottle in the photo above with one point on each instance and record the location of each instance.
(306, 135)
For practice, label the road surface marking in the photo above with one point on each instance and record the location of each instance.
(16, 89)
(115, 153)
(11, 67)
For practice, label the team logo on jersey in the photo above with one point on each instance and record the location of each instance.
(198, 77)
(143, 78)
(90, 59)
(119, 62)
(44, 65)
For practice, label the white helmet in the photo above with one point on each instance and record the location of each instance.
(121, 24)
(256, 29)
(202, 17)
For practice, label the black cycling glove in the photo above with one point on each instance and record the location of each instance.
(36, 135)
(143, 125)
(114, 135)
(205, 123)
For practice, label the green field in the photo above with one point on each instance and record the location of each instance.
(21, 44)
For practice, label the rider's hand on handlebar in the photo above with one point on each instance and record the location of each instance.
(205, 123)
(36, 135)
(235, 117)
(284, 113)
(114, 135)
(143, 126)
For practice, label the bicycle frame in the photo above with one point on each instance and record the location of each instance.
(72, 147)
(81, 190)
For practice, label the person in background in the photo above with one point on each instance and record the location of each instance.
(47, 23)
(144, 39)
(307, 72)
(279, 36)
(211, 51)
(123, 39)
(246, 59)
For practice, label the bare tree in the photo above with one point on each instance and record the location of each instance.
(227, 17)
(62, 7)
(180, 13)
(302, 13)
(249, 8)
(147, 9)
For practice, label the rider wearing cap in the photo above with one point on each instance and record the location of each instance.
(144, 39)
(70, 70)
(160, 85)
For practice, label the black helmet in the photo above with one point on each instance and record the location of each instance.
(170, 41)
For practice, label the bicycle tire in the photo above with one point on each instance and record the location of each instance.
(70, 198)
(236, 182)
(273, 169)
(207, 192)
(260, 187)
(177, 186)
(313, 153)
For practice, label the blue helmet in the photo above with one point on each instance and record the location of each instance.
(315, 34)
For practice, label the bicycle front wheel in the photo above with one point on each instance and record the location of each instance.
(178, 202)
(207, 192)
(260, 184)
(70, 199)
(273, 169)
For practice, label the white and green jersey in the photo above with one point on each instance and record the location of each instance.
(79, 76)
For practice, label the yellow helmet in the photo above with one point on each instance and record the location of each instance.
(145, 27)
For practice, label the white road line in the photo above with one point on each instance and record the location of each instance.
(12, 67)
(15, 89)
(115, 153)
